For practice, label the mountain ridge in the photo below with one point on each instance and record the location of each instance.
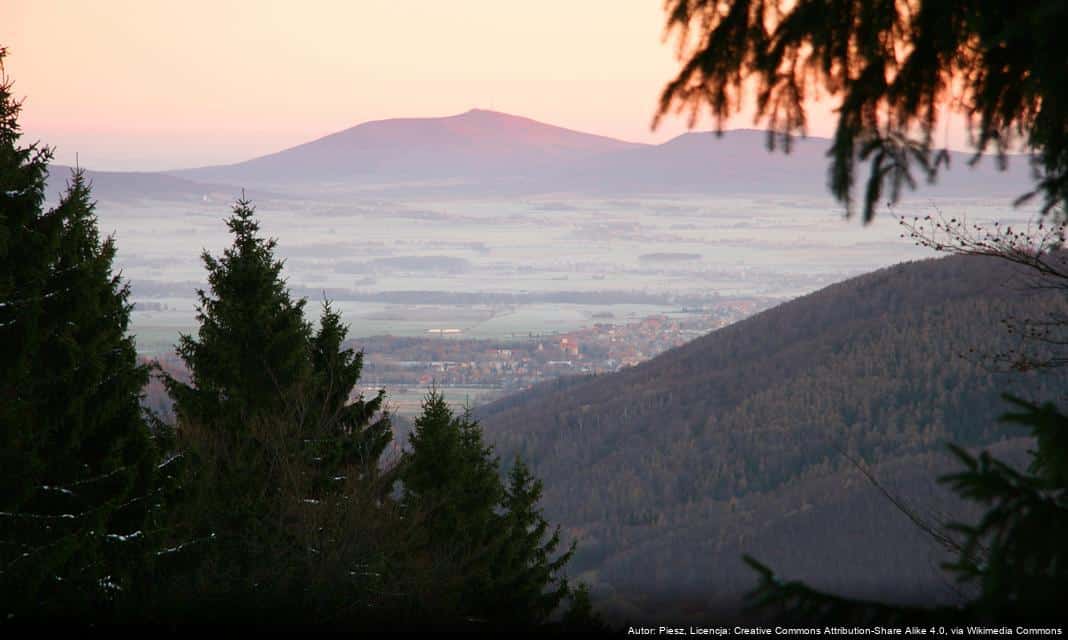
(871, 366)
(482, 151)
(477, 142)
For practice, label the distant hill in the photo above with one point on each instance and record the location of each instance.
(475, 146)
(671, 469)
(132, 186)
(489, 153)
(738, 162)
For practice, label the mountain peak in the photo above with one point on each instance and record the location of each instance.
(477, 114)
(473, 146)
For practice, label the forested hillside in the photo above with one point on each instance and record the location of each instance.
(879, 366)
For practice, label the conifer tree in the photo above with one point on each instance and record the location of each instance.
(76, 456)
(452, 475)
(250, 354)
(1015, 554)
(345, 434)
(268, 425)
(452, 486)
(530, 585)
(493, 534)
(252, 345)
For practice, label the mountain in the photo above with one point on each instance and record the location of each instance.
(483, 153)
(738, 162)
(489, 153)
(701, 162)
(472, 147)
(668, 471)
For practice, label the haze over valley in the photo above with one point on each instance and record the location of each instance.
(488, 226)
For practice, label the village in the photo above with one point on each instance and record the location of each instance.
(449, 360)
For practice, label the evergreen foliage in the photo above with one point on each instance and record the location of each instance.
(76, 455)
(345, 434)
(253, 343)
(493, 533)
(525, 565)
(452, 475)
(1015, 553)
(286, 506)
(267, 422)
(896, 68)
(268, 544)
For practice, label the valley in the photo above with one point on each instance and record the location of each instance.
(677, 364)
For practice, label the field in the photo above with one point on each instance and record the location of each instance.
(497, 268)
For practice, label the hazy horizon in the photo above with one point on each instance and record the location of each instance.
(265, 76)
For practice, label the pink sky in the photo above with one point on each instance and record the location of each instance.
(151, 84)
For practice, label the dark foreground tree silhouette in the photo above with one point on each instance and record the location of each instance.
(253, 342)
(1016, 554)
(249, 358)
(276, 439)
(347, 432)
(896, 69)
(76, 456)
(496, 544)
(528, 564)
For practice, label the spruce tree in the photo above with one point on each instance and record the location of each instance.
(270, 427)
(492, 534)
(344, 434)
(252, 346)
(452, 488)
(76, 456)
(451, 475)
(530, 586)
(256, 357)
(250, 354)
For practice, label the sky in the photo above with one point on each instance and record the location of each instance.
(157, 84)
